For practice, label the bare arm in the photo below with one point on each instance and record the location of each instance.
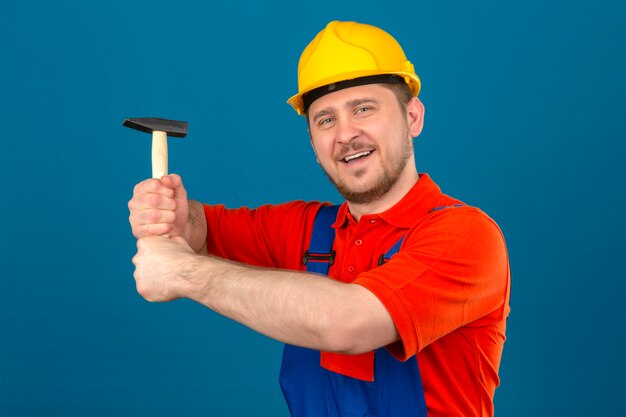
(293, 307)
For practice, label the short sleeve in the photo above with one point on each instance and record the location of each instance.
(451, 271)
(269, 236)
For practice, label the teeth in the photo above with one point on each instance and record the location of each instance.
(355, 156)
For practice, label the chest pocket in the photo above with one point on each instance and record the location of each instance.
(313, 391)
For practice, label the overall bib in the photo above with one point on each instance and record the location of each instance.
(313, 391)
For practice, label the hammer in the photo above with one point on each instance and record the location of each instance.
(160, 129)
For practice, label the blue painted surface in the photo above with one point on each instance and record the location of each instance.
(524, 118)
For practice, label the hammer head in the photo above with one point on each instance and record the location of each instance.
(150, 124)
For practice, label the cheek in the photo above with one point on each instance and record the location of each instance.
(323, 147)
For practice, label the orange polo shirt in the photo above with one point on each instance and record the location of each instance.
(447, 288)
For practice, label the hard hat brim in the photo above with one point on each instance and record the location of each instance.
(297, 101)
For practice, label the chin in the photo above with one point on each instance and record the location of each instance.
(364, 195)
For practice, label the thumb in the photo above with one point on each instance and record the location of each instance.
(182, 242)
(175, 182)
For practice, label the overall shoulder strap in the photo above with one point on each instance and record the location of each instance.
(395, 248)
(392, 251)
(445, 207)
(320, 256)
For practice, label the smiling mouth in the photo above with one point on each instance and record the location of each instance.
(356, 156)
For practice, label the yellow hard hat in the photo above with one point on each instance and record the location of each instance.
(349, 51)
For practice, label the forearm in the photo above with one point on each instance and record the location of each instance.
(196, 228)
(293, 307)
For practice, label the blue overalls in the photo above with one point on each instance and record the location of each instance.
(312, 391)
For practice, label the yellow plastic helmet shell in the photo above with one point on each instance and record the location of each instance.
(348, 50)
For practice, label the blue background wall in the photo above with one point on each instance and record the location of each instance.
(525, 118)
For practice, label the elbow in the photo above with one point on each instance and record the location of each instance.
(346, 336)
(357, 326)
(339, 340)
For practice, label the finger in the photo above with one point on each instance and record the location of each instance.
(180, 193)
(151, 216)
(158, 229)
(176, 182)
(152, 230)
(180, 241)
(172, 181)
(147, 242)
(153, 185)
(152, 201)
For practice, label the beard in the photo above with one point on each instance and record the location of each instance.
(390, 175)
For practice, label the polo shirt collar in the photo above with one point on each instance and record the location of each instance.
(420, 199)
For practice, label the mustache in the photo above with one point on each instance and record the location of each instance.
(349, 148)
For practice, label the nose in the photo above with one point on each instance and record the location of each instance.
(346, 131)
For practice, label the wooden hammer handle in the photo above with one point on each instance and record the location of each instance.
(159, 154)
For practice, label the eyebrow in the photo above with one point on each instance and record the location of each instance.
(359, 101)
(323, 112)
(350, 103)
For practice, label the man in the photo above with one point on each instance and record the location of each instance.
(416, 331)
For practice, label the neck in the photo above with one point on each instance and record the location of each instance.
(390, 199)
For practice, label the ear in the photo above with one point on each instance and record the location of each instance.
(415, 115)
(313, 146)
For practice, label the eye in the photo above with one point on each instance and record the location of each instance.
(325, 121)
(363, 109)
